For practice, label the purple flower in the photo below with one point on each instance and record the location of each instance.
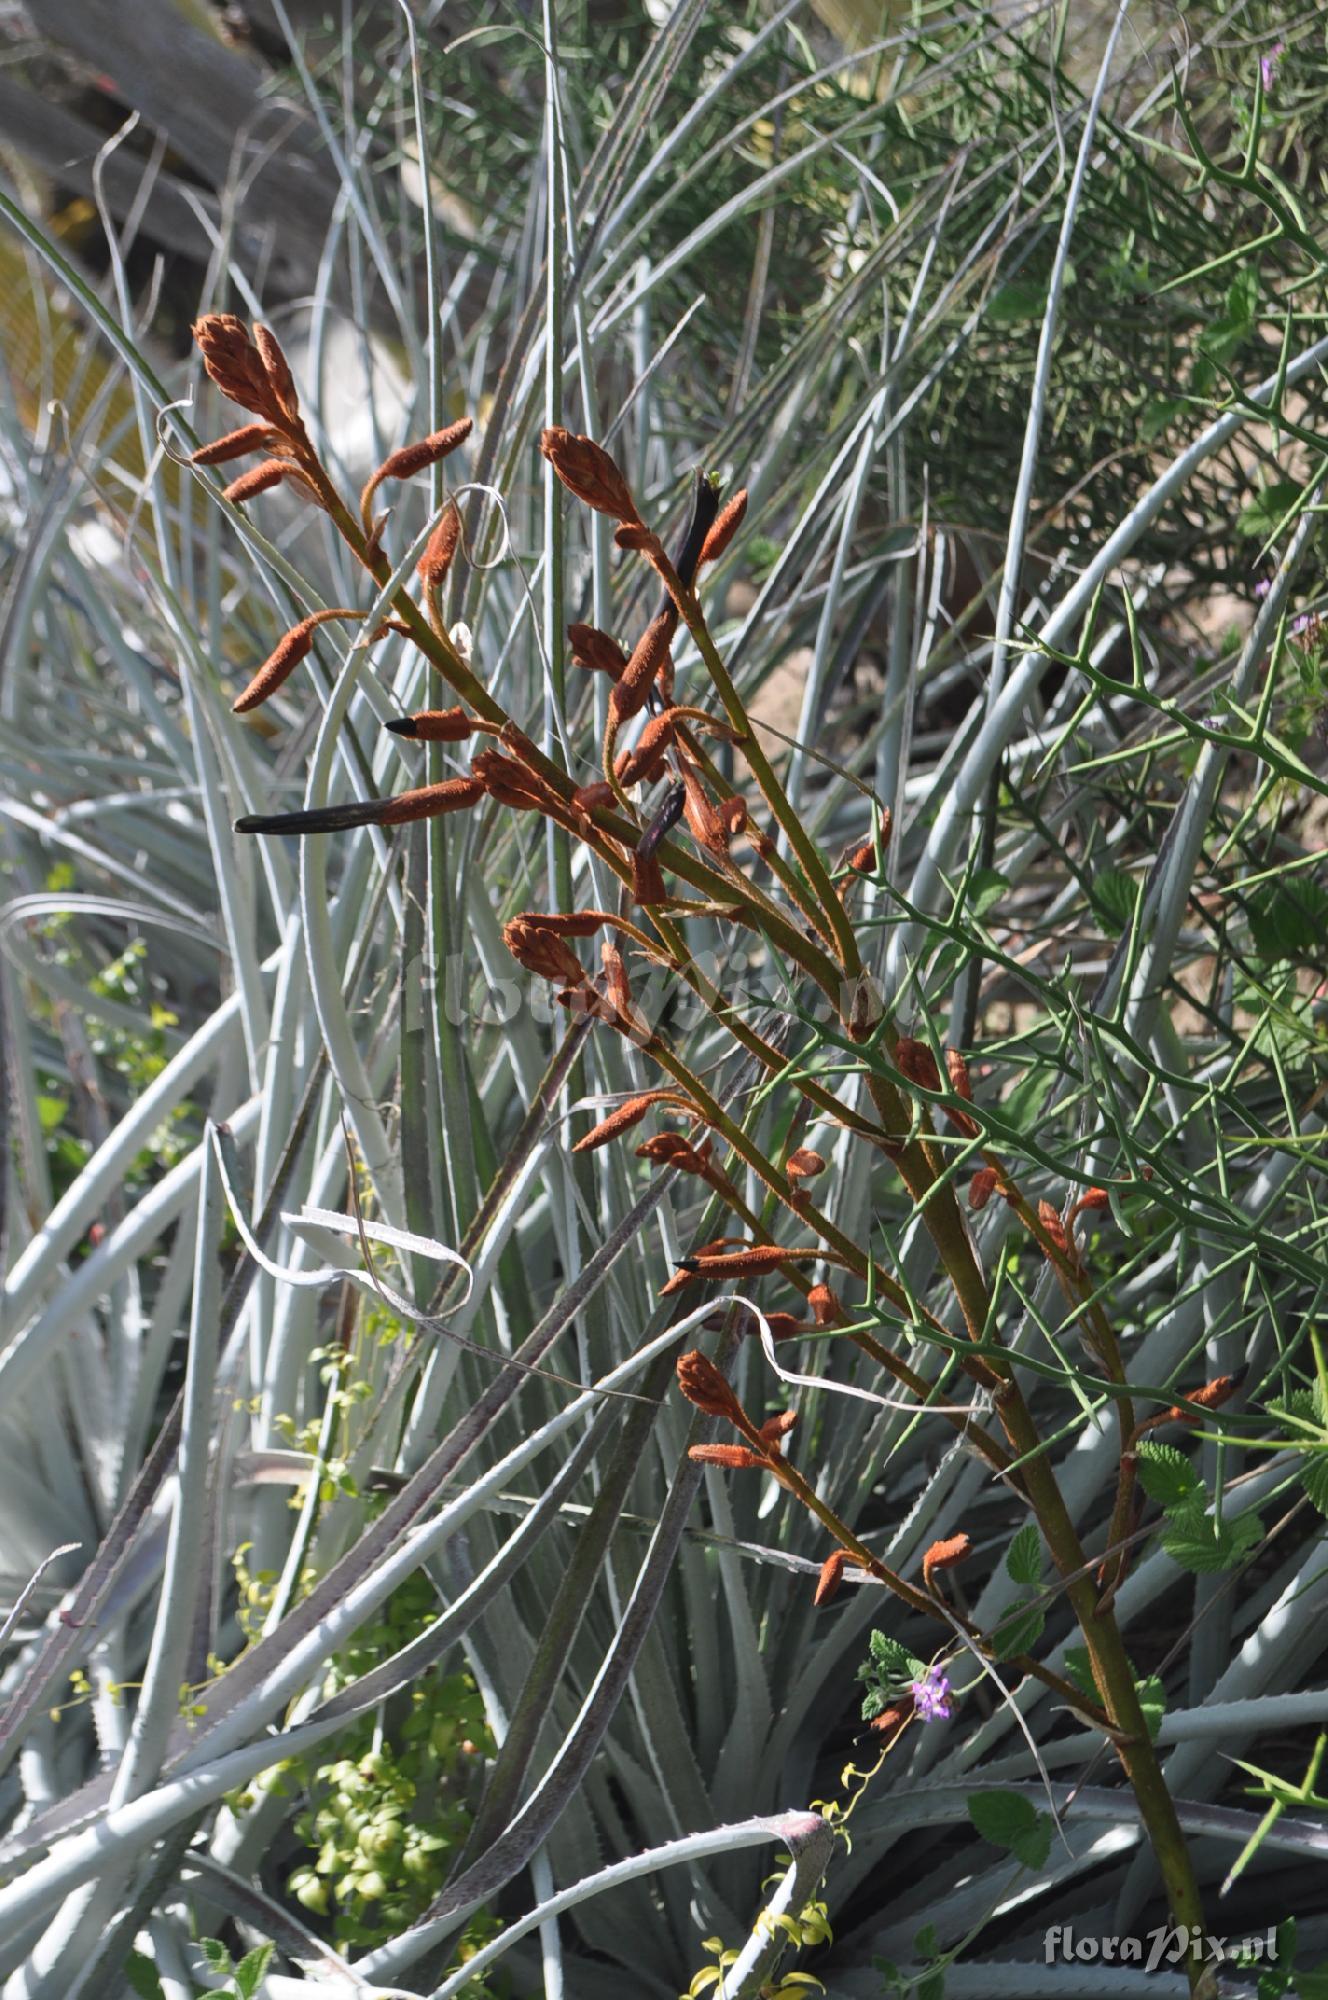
(1270, 64)
(1262, 587)
(931, 1696)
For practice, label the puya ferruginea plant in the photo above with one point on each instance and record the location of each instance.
(684, 842)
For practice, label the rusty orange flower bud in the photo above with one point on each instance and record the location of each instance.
(629, 1113)
(249, 437)
(1210, 1397)
(865, 858)
(670, 1149)
(915, 1061)
(452, 795)
(615, 975)
(703, 822)
(282, 661)
(594, 798)
(703, 1385)
(982, 1187)
(723, 528)
(261, 478)
(236, 366)
(804, 1165)
(511, 783)
(449, 795)
(279, 378)
(631, 690)
(440, 548)
(1049, 1217)
(749, 1262)
(775, 1428)
(566, 923)
(408, 459)
(641, 540)
(733, 813)
(784, 1326)
(648, 885)
(596, 651)
(434, 725)
(889, 1718)
(825, 1306)
(588, 471)
(542, 952)
(736, 1457)
(944, 1555)
(831, 1577)
(957, 1070)
(1094, 1199)
(646, 763)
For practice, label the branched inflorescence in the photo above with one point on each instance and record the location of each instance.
(682, 842)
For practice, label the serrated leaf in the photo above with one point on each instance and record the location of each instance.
(1024, 1104)
(1022, 299)
(216, 1954)
(1114, 896)
(1202, 1545)
(891, 1663)
(1288, 919)
(1300, 1404)
(1153, 1702)
(143, 1977)
(986, 888)
(1159, 412)
(1165, 1474)
(1079, 1667)
(1243, 297)
(1314, 1478)
(1032, 1850)
(249, 1973)
(1265, 514)
(1019, 1629)
(1033, 293)
(1011, 1821)
(1023, 1558)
